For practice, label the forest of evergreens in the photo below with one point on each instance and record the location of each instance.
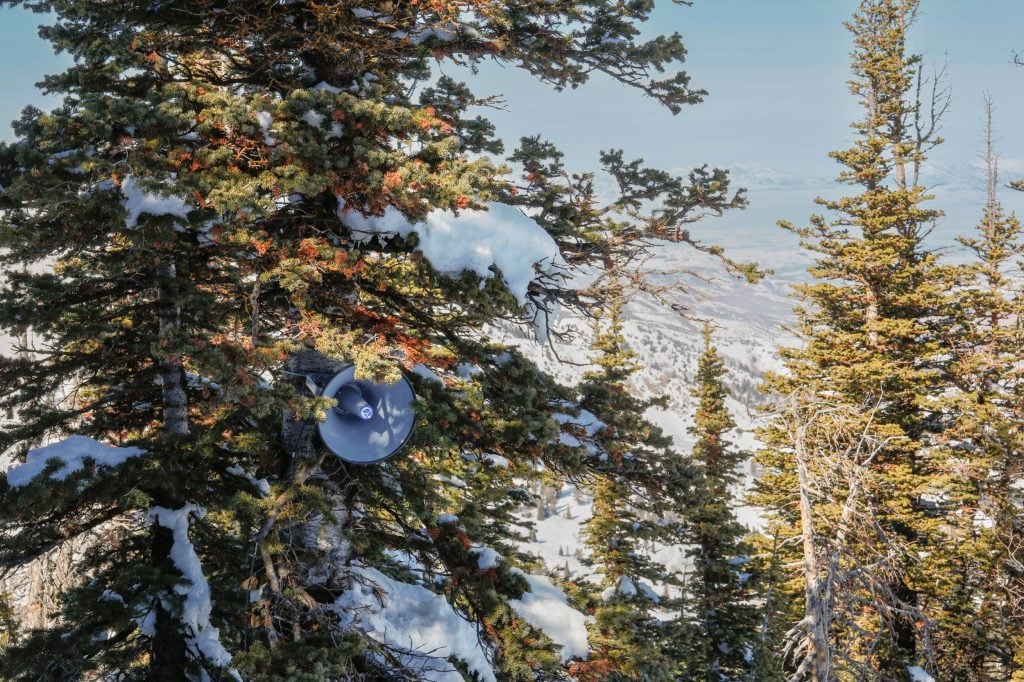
(236, 199)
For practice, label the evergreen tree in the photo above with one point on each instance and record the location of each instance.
(721, 588)
(846, 467)
(226, 202)
(768, 660)
(978, 627)
(626, 638)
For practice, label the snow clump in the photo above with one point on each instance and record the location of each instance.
(73, 452)
(546, 608)
(411, 619)
(502, 236)
(203, 639)
(623, 586)
(137, 201)
(487, 558)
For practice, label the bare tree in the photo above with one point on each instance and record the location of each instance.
(847, 590)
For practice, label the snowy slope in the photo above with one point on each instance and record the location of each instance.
(748, 320)
(749, 323)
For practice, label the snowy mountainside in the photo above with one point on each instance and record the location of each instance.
(749, 326)
(749, 322)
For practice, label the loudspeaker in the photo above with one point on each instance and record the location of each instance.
(371, 421)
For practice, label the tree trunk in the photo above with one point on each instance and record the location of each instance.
(172, 372)
(871, 320)
(817, 662)
(169, 651)
(35, 613)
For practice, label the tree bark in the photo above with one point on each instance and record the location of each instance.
(172, 371)
(169, 649)
(817, 663)
(871, 320)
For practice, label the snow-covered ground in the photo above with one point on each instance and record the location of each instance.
(557, 537)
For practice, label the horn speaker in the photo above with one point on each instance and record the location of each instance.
(371, 421)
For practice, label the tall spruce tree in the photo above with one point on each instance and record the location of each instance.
(846, 467)
(721, 589)
(226, 188)
(626, 638)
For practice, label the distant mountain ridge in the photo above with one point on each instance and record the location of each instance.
(960, 177)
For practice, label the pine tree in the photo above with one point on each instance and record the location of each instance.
(768, 660)
(721, 588)
(637, 480)
(626, 638)
(857, 410)
(977, 628)
(226, 199)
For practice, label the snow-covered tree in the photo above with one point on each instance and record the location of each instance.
(234, 196)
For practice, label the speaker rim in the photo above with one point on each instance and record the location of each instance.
(398, 448)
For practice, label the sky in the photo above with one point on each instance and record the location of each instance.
(776, 75)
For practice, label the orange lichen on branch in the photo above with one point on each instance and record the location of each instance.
(427, 119)
(592, 671)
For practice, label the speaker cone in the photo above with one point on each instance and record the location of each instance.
(371, 421)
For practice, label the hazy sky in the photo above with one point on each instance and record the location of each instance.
(776, 74)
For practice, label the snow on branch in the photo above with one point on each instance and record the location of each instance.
(546, 608)
(626, 588)
(138, 201)
(502, 236)
(418, 627)
(73, 454)
(203, 639)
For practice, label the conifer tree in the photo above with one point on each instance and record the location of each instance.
(768, 661)
(860, 391)
(721, 588)
(230, 194)
(977, 637)
(626, 638)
